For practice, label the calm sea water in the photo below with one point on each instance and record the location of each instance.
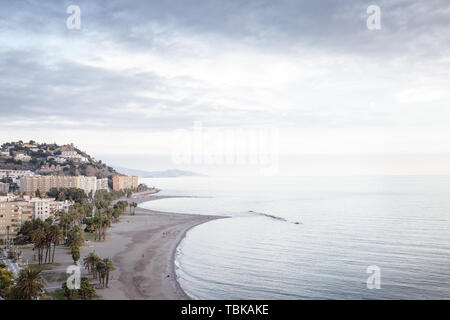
(313, 238)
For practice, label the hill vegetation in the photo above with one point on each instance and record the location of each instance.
(51, 159)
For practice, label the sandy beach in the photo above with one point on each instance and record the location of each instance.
(143, 248)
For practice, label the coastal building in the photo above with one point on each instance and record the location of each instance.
(29, 145)
(102, 184)
(15, 173)
(123, 182)
(56, 159)
(30, 185)
(69, 153)
(88, 184)
(4, 187)
(12, 215)
(9, 197)
(45, 208)
(15, 210)
(22, 157)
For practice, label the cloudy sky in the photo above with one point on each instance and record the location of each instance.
(138, 72)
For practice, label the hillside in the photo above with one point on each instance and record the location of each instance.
(51, 159)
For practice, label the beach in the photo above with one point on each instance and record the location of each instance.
(143, 248)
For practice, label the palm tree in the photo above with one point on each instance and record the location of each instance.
(69, 294)
(101, 271)
(132, 205)
(7, 234)
(87, 290)
(6, 280)
(29, 284)
(39, 241)
(90, 261)
(56, 238)
(75, 251)
(75, 237)
(109, 266)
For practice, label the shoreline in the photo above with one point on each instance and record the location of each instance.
(144, 249)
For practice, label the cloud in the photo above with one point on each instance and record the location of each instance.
(162, 65)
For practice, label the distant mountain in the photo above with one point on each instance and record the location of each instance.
(158, 174)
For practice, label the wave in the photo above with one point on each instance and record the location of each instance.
(272, 217)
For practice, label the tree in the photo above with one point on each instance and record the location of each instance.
(90, 262)
(75, 237)
(56, 237)
(37, 193)
(29, 284)
(39, 241)
(116, 214)
(87, 290)
(26, 230)
(101, 272)
(109, 266)
(69, 294)
(75, 252)
(6, 280)
(134, 204)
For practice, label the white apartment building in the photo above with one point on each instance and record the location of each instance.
(88, 184)
(72, 154)
(57, 159)
(45, 208)
(15, 173)
(22, 157)
(9, 197)
(29, 185)
(102, 184)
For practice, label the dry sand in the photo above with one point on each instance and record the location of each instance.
(143, 248)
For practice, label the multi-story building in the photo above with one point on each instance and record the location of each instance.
(12, 215)
(45, 208)
(88, 184)
(45, 183)
(10, 197)
(30, 185)
(15, 173)
(22, 157)
(122, 182)
(102, 184)
(73, 155)
(4, 187)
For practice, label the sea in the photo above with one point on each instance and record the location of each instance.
(371, 237)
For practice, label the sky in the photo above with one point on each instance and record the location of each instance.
(150, 84)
